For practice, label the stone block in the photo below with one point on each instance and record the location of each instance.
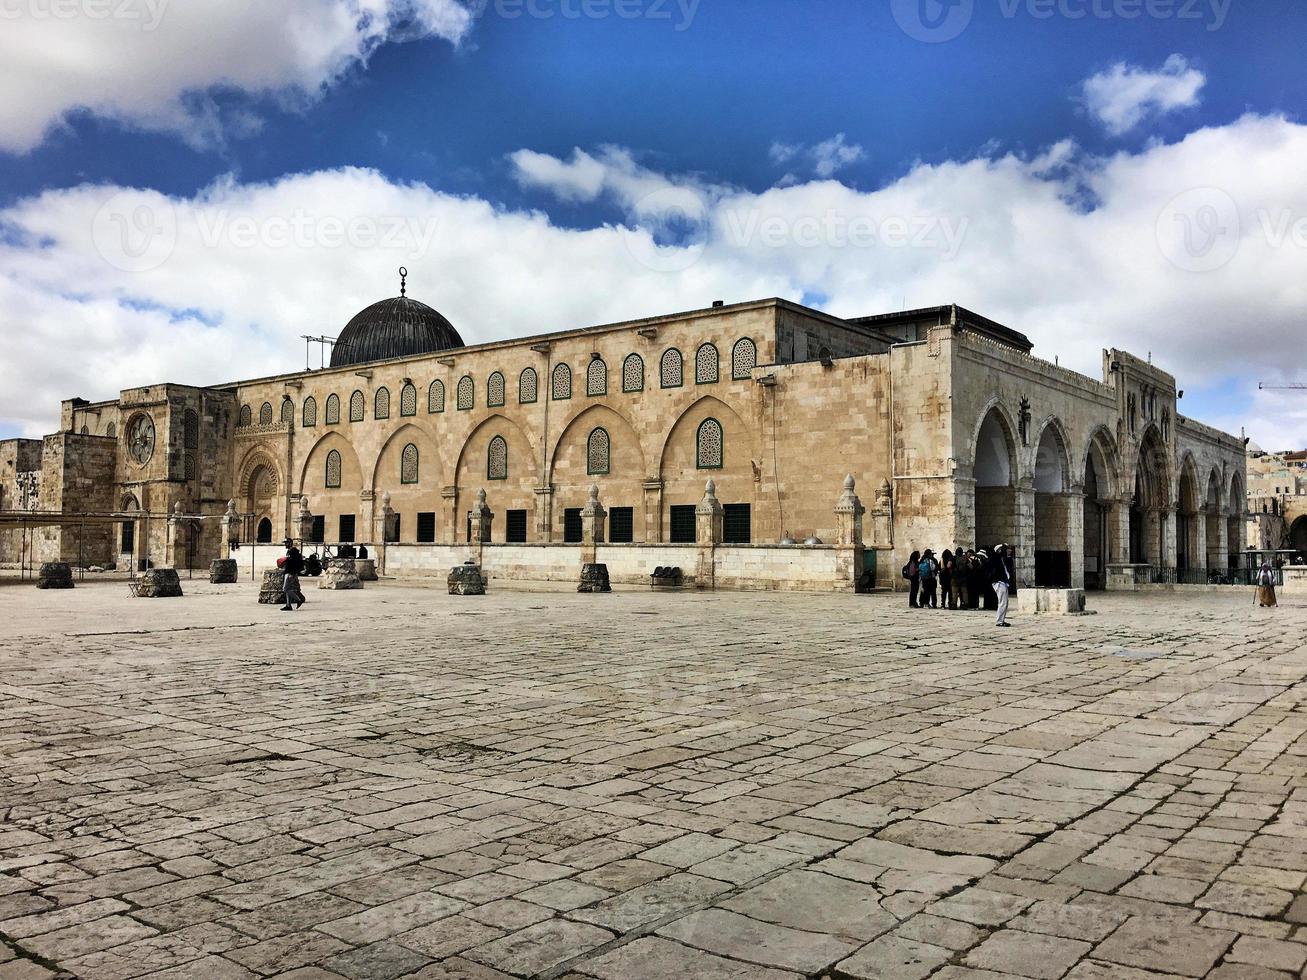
(466, 579)
(594, 578)
(1126, 578)
(273, 590)
(1058, 602)
(55, 575)
(222, 571)
(340, 576)
(1295, 580)
(159, 583)
(366, 569)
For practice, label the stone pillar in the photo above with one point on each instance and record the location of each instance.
(707, 536)
(304, 522)
(544, 514)
(455, 532)
(1118, 531)
(1166, 523)
(481, 519)
(592, 526)
(1222, 543)
(1198, 541)
(653, 511)
(882, 535)
(1023, 548)
(1239, 520)
(848, 538)
(231, 527)
(174, 534)
(368, 516)
(1074, 504)
(389, 527)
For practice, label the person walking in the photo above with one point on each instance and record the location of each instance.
(1000, 577)
(1266, 586)
(293, 565)
(947, 564)
(929, 572)
(961, 575)
(912, 572)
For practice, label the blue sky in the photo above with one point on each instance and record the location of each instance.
(724, 100)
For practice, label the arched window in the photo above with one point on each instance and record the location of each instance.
(744, 358)
(495, 390)
(333, 470)
(287, 411)
(191, 438)
(670, 368)
(111, 431)
(265, 414)
(263, 534)
(86, 430)
(598, 453)
(247, 415)
(705, 365)
(708, 449)
(333, 409)
(562, 385)
(408, 464)
(633, 373)
(596, 377)
(408, 400)
(466, 393)
(310, 412)
(381, 404)
(357, 406)
(497, 459)
(436, 398)
(527, 386)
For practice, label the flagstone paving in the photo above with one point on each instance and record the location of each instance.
(398, 783)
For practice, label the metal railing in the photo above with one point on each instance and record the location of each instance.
(1167, 575)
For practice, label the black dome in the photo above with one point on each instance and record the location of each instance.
(399, 327)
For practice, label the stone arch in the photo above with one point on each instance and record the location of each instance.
(516, 493)
(683, 481)
(1058, 544)
(333, 503)
(127, 529)
(254, 459)
(408, 499)
(1214, 521)
(994, 441)
(995, 469)
(622, 485)
(262, 488)
(1100, 477)
(1151, 500)
(1102, 457)
(1190, 527)
(1298, 535)
(1237, 525)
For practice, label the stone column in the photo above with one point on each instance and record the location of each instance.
(708, 535)
(304, 523)
(450, 496)
(1198, 541)
(1023, 548)
(849, 551)
(653, 511)
(389, 522)
(1238, 544)
(592, 526)
(1074, 503)
(230, 527)
(1167, 531)
(481, 520)
(544, 514)
(174, 532)
(367, 517)
(1118, 531)
(1222, 555)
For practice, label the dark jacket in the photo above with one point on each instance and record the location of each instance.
(1001, 569)
(294, 564)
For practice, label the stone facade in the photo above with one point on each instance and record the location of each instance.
(952, 431)
(1277, 500)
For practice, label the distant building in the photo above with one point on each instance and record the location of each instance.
(1277, 499)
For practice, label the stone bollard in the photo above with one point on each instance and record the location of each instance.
(55, 575)
(273, 590)
(159, 583)
(594, 578)
(222, 571)
(466, 579)
(340, 576)
(366, 568)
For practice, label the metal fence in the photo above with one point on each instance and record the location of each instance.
(1166, 575)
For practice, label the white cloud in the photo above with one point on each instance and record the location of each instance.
(824, 160)
(1124, 95)
(158, 64)
(255, 266)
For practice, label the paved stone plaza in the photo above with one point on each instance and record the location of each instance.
(399, 783)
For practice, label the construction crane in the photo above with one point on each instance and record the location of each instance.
(1263, 386)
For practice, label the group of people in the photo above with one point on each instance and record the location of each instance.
(962, 579)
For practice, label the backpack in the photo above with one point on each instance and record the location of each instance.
(926, 570)
(907, 571)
